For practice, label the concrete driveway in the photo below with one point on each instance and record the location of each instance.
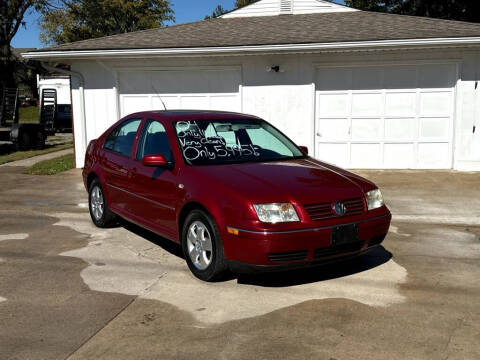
(70, 290)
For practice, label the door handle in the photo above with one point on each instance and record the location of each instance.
(319, 134)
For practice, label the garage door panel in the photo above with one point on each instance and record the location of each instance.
(400, 104)
(365, 156)
(435, 103)
(333, 105)
(399, 156)
(366, 129)
(131, 104)
(433, 155)
(194, 102)
(225, 103)
(334, 153)
(171, 102)
(366, 104)
(400, 129)
(434, 128)
(334, 129)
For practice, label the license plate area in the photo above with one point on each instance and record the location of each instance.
(345, 234)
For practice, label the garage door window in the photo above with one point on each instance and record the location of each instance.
(120, 140)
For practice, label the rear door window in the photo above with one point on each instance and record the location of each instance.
(154, 141)
(121, 139)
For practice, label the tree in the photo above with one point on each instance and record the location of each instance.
(463, 10)
(368, 5)
(12, 13)
(219, 10)
(86, 19)
(242, 3)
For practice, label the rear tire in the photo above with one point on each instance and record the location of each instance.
(24, 141)
(40, 141)
(101, 215)
(202, 247)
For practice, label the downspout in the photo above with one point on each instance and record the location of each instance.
(82, 95)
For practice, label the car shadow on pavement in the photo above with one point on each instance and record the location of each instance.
(375, 257)
(371, 259)
(167, 245)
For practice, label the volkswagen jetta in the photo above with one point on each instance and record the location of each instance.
(234, 191)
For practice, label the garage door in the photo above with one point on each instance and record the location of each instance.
(398, 117)
(203, 89)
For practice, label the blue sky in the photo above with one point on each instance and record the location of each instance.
(185, 11)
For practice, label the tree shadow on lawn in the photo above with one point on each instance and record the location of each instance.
(319, 272)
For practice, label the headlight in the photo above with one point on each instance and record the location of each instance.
(374, 199)
(275, 213)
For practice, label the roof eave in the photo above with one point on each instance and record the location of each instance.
(252, 49)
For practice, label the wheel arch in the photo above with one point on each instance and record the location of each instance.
(91, 176)
(186, 209)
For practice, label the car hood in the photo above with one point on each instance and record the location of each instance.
(299, 181)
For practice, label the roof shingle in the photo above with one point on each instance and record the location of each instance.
(282, 29)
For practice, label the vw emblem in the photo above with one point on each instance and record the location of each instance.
(339, 208)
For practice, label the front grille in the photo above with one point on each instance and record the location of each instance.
(354, 206)
(337, 250)
(377, 240)
(288, 256)
(322, 211)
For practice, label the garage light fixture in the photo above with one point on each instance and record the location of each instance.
(275, 68)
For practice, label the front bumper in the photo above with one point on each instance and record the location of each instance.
(297, 248)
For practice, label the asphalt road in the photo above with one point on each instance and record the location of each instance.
(70, 290)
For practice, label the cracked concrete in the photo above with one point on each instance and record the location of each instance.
(70, 290)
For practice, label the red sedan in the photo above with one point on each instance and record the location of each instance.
(235, 192)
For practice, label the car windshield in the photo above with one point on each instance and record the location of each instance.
(210, 142)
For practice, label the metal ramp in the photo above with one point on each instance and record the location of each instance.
(8, 106)
(48, 109)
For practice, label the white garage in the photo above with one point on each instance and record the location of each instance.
(359, 89)
(386, 116)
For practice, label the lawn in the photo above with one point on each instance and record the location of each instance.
(28, 115)
(52, 166)
(20, 155)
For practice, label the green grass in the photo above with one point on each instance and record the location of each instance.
(52, 166)
(28, 115)
(20, 155)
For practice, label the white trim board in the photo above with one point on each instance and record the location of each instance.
(77, 54)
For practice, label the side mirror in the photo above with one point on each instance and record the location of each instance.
(304, 149)
(155, 161)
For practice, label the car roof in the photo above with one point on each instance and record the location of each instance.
(183, 115)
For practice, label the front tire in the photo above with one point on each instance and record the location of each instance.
(101, 215)
(202, 247)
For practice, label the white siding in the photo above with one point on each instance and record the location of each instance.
(274, 7)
